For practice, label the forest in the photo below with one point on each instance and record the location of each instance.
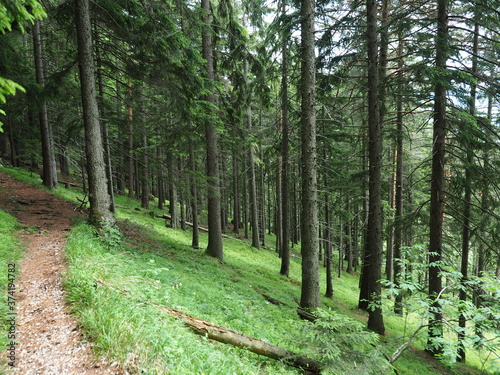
(351, 140)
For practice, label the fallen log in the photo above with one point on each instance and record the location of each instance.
(231, 337)
(228, 336)
(306, 315)
(270, 299)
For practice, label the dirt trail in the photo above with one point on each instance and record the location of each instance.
(49, 339)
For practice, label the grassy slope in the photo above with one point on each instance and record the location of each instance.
(110, 285)
(10, 253)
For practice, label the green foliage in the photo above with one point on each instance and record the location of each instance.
(110, 235)
(10, 253)
(343, 346)
(482, 332)
(15, 13)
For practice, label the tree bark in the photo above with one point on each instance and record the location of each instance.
(49, 174)
(98, 194)
(398, 215)
(236, 193)
(145, 170)
(310, 296)
(254, 206)
(328, 249)
(195, 244)
(372, 262)
(285, 184)
(104, 125)
(130, 122)
(214, 248)
(436, 222)
(467, 200)
(172, 176)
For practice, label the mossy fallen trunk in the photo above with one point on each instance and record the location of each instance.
(228, 336)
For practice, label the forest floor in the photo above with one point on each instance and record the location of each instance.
(50, 341)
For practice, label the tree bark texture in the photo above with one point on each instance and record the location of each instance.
(96, 168)
(49, 175)
(466, 232)
(285, 184)
(372, 262)
(254, 205)
(214, 248)
(195, 241)
(309, 210)
(437, 182)
(104, 125)
(398, 204)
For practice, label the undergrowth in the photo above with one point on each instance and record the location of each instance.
(10, 253)
(117, 284)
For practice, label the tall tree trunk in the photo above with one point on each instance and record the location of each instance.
(328, 248)
(389, 259)
(145, 171)
(195, 244)
(309, 211)
(130, 122)
(236, 193)
(278, 215)
(49, 175)
(435, 331)
(262, 200)
(467, 199)
(104, 125)
(398, 204)
(349, 237)
(372, 262)
(254, 205)
(214, 248)
(483, 250)
(172, 181)
(382, 68)
(98, 194)
(285, 184)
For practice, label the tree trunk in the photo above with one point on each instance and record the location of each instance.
(145, 171)
(389, 259)
(436, 222)
(467, 199)
(398, 204)
(328, 248)
(254, 206)
(382, 68)
(172, 176)
(310, 297)
(98, 194)
(49, 175)
(372, 262)
(262, 200)
(214, 248)
(236, 193)
(130, 122)
(195, 244)
(104, 125)
(285, 184)
(349, 237)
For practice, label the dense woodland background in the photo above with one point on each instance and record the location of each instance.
(368, 130)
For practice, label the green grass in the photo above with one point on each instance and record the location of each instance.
(114, 287)
(10, 253)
